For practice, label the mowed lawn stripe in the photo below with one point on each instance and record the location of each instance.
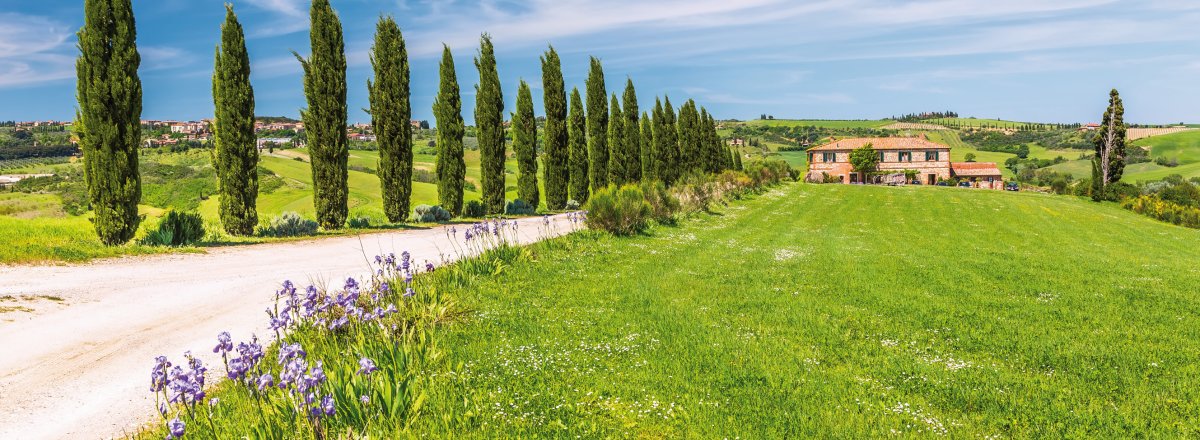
(848, 312)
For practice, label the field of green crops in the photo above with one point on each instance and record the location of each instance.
(812, 311)
(820, 123)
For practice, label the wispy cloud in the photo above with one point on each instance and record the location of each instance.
(291, 17)
(34, 50)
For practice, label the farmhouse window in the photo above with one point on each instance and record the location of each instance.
(828, 157)
(881, 156)
(931, 156)
(905, 156)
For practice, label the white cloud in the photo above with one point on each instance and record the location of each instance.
(291, 17)
(34, 50)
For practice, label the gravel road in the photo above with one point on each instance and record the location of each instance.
(77, 342)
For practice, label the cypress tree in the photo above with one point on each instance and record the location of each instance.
(557, 174)
(325, 118)
(657, 138)
(597, 126)
(737, 161)
(235, 151)
(616, 144)
(108, 121)
(489, 120)
(633, 137)
(391, 112)
(451, 168)
(667, 149)
(525, 144)
(688, 128)
(1108, 165)
(646, 145)
(577, 138)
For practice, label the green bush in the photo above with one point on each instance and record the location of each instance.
(573, 205)
(663, 204)
(474, 209)
(519, 207)
(176, 229)
(431, 214)
(359, 222)
(289, 224)
(619, 211)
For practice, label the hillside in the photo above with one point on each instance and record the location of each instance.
(840, 311)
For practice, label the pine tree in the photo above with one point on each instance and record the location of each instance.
(391, 112)
(525, 144)
(667, 149)
(577, 139)
(633, 137)
(597, 126)
(489, 120)
(235, 153)
(108, 120)
(451, 168)
(325, 118)
(646, 146)
(616, 144)
(1108, 165)
(557, 154)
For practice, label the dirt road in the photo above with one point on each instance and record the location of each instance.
(77, 342)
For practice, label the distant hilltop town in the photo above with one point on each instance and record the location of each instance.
(158, 133)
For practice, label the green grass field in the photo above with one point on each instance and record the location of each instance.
(975, 122)
(814, 311)
(1183, 146)
(820, 123)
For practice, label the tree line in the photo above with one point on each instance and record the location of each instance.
(612, 142)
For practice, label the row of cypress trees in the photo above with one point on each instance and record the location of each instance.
(608, 143)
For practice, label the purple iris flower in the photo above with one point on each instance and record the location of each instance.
(327, 405)
(224, 343)
(265, 381)
(176, 428)
(409, 292)
(366, 366)
(364, 399)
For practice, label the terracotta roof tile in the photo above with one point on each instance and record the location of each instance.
(883, 143)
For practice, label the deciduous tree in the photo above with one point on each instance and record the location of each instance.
(865, 160)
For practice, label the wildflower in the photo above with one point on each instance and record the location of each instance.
(265, 381)
(162, 408)
(327, 405)
(405, 260)
(158, 376)
(366, 366)
(428, 266)
(224, 343)
(176, 428)
(364, 399)
(214, 401)
(409, 292)
(288, 352)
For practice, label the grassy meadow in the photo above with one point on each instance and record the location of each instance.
(831, 311)
(819, 123)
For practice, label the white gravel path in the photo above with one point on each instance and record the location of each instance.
(77, 364)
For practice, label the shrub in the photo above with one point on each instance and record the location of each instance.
(431, 214)
(359, 222)
(424, 176)
(573, 205)
(696, 192)
(176, 229)
(519, 207)
(474, 209)
(288, 224)
(663, 204)
(619, 211)
(1166, 211)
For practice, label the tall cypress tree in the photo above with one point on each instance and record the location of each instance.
(616, 144)
(597, 126)
(391, 112)
(577, 139)
(737, 160)
(633, 137)
(525, 144)
(646, 146)
(489, 122)
(108, 121)
(235, 151)
(688, 129)
(451, 168)
(1108, 165)
(667, 147)
(557, 173)
(325, 118)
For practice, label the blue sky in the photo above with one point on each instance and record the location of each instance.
(1013, 59)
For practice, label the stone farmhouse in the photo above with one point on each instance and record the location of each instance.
(898, 155)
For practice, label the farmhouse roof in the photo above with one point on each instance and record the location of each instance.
(974, 169)
(881, 143)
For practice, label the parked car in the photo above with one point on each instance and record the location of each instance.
(964, 184)
(1012, 186)
(943, 183)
